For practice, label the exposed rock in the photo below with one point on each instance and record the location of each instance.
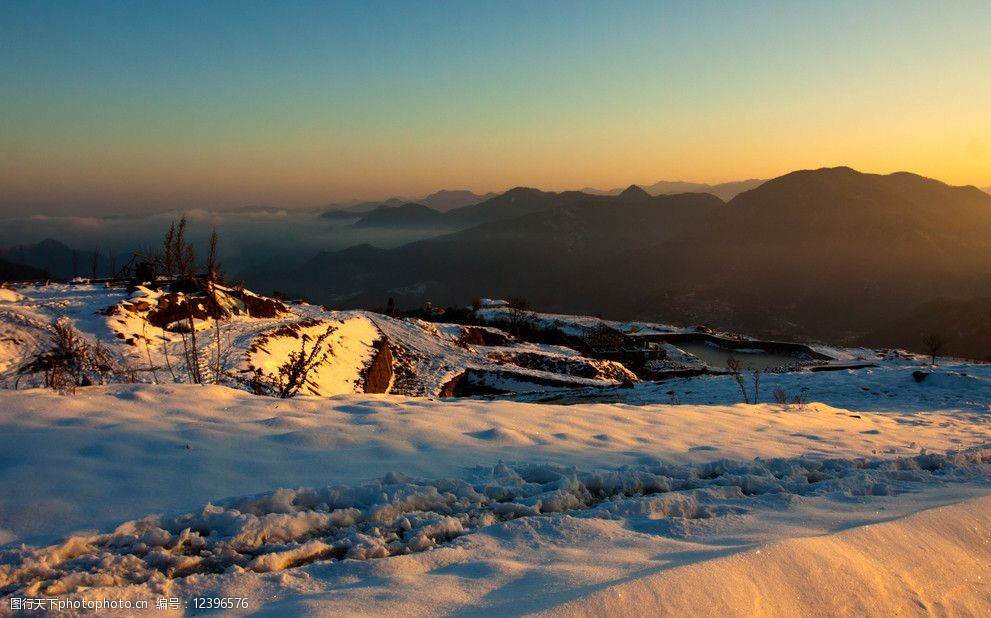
(378, 376)
(474, 335)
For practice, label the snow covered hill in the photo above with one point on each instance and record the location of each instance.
(151, 339)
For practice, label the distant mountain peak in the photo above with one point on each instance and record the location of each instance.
(523, 191)
(724, 191)
(410, 214)
(449, 199)
(414, 206)
(634, 192)
(50, 243)
(448, 192)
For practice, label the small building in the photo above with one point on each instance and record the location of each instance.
(492, 303)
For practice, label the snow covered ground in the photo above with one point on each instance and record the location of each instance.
(892, 387)
(425, 356)
(390, 505)
(872, 495)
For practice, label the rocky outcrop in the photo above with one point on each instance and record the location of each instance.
(378, 376)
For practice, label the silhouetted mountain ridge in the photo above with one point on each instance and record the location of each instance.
(446, 199)
(12, 271)
(406, 215)
(724, 191)
(961, 322)
(829, 253)
(440, 201)
(60, 261)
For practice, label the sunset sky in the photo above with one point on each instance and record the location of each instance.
(133, 106)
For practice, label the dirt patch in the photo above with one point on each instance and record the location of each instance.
(176, 306)
(260, 306)
(205, 303)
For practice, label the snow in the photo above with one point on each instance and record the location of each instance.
(574, 497)
(350, 352)
(492, 303)
(893, 387)
(9, 296)
(430, 355)
(574, 325)
(398, 516)
(870, 496)
(881, 569)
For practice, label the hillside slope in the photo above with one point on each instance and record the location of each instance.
(148, 337)
(545, 255)
(827, 253)
(830, 254)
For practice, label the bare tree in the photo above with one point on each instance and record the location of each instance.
(94, 263)
(934, 343)
(177, 259)
(167, 260)
(212, 265)
(520, 315)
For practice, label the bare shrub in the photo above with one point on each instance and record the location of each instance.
(71, 362)
(781, 397)
(296, 372)
(735, 370)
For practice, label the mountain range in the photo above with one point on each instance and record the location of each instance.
(466, 209)
(832, 253)
(51, 258)
(441, 201)
(403, 216)
(13, 271)
(724, 191)
(513, 203)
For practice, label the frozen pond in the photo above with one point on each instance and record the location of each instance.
(751, 359)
